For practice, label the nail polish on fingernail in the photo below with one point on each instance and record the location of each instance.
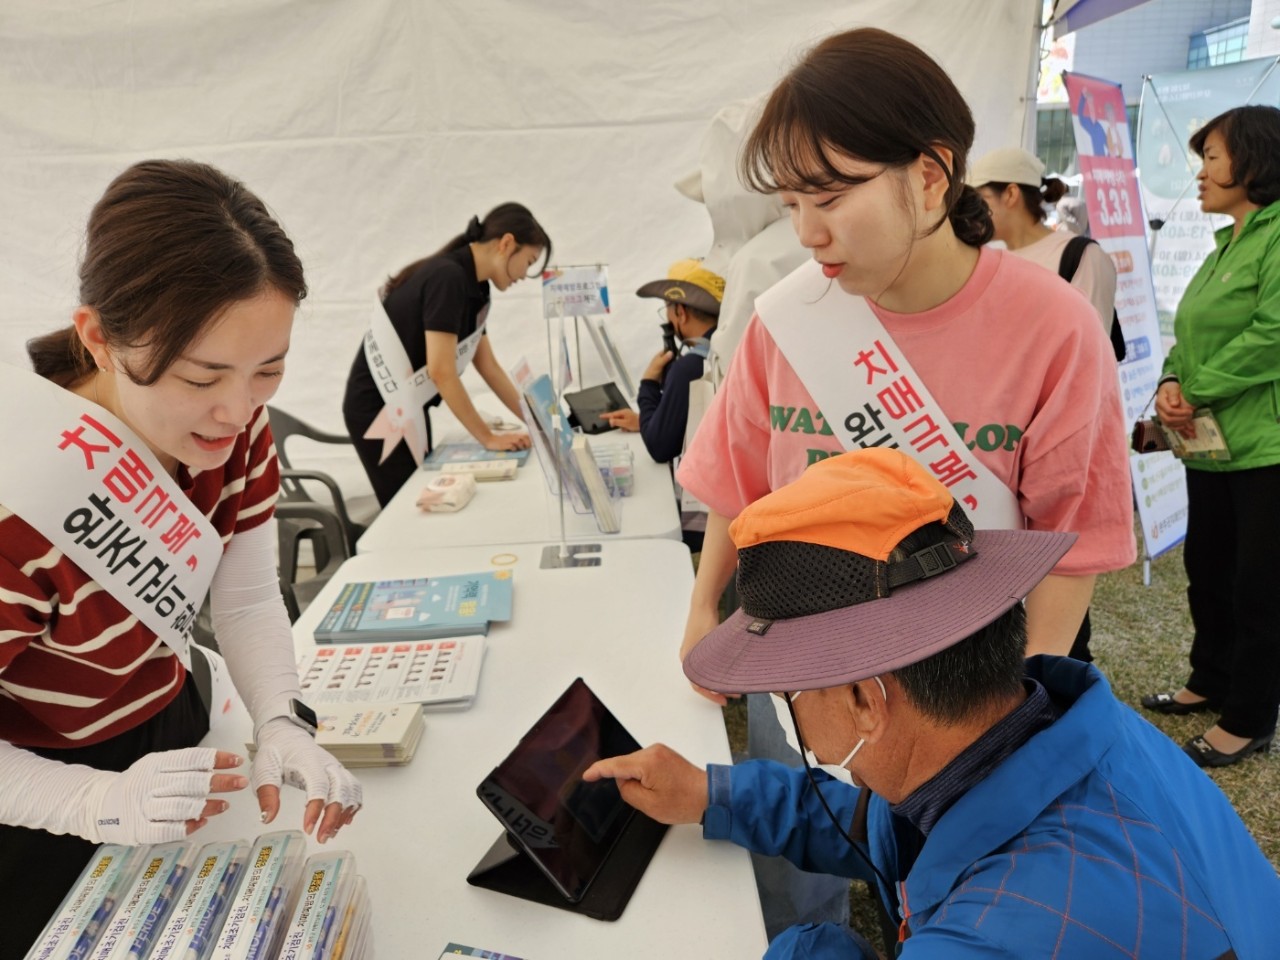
(265, 816)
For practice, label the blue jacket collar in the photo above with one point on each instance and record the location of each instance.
(1016, 792)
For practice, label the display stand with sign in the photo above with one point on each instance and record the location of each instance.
(581, 292)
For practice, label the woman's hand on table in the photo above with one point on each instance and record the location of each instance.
(506, 441)
(165, 796)
(288, 754)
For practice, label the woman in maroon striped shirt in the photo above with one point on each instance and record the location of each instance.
(188, 289)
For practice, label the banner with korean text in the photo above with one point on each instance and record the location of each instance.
(1110, 191)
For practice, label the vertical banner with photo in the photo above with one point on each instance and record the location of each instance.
(1110, 191)
(1174, 106)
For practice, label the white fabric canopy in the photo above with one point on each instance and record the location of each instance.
(376, 128)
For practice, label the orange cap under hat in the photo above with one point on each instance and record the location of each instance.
(894, 497)
(862, 565)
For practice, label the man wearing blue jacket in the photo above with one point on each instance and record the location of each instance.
(1002, 807)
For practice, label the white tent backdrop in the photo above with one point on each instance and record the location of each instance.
(375, 128)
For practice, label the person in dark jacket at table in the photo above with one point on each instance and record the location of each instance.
(690, 296)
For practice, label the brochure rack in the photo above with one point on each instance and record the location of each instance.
(582, 292)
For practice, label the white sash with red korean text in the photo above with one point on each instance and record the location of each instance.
(90, 487)
(869, 394)
(405, 391)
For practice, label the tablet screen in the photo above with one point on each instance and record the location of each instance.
(588, 404)
(567, 826)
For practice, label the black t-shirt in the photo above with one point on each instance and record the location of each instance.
(441, 295)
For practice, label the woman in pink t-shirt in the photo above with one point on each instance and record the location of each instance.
(866, 142)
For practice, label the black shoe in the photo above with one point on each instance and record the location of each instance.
(1164, 703)
(1199, 750)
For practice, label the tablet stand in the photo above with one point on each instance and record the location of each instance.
(507, 869)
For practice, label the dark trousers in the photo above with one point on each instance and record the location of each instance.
(1233, 529)
(391, 474)
(37, 868)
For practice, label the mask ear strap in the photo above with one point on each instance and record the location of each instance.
(813, 782)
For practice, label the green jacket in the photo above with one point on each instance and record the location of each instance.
(1227, 356)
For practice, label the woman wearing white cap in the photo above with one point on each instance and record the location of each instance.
(1013, 184)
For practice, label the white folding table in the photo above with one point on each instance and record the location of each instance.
(422, 828)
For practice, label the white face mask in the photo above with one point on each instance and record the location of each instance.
(837, 771)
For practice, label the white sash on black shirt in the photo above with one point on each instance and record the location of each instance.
(405, 391)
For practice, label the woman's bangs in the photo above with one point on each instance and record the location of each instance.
(792, 157)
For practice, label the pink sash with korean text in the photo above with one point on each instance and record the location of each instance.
(90, 487)
(869, 394)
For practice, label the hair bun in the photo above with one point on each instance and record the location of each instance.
(474, 231)
(971, 218)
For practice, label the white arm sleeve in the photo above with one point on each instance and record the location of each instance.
(151, 802)
(49, 795)
(252, 627)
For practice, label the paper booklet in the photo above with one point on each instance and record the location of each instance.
(368, 734)
(424, 608)
(469, 451)
(458, 950)
(1207, 444)
(427, 671)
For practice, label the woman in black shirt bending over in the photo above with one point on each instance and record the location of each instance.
(398, 372)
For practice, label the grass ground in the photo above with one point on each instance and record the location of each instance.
(1141, 636)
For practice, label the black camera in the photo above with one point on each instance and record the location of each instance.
(668, 346)
(669, 338)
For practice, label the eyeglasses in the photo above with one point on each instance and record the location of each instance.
(662, 311)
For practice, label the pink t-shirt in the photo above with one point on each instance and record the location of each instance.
(1019, 364)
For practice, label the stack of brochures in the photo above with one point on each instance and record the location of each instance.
(421, 609)
(428, 672)
(369, 734)
(470, 451)
(233, 900)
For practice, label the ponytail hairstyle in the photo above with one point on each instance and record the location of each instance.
(512, 218)
(873, 96)
(1050, 191)
(169, 246)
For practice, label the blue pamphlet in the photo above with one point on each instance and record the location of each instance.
(419, 609)
(470, 452)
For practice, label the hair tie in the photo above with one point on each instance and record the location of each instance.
(474, 231)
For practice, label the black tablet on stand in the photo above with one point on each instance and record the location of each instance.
(585, 406)
(566, 843)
